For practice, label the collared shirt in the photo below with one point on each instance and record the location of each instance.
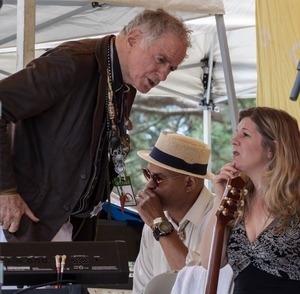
(151, 260)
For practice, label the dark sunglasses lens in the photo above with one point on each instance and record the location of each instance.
(146, 174)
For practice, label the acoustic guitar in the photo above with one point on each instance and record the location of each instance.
(231, 201)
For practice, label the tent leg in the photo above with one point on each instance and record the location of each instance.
(25, 32)
(232, 102)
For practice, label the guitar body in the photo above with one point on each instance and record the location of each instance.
(228, 210)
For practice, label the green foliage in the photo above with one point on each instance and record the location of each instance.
(148, 126)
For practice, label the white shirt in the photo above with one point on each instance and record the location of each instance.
(192, 279)
(151, 259)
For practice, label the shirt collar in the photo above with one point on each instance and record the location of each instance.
(201, 206)
(118, 82)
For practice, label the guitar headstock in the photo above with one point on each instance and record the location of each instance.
(232, 200)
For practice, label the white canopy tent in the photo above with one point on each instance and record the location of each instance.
(29, 27)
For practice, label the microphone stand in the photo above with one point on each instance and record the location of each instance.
(296, 88)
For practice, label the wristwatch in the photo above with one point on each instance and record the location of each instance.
(161, 227)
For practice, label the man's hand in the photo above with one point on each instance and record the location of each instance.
(12, 207)
(149, 206)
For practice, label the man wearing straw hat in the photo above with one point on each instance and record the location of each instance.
(173, 205)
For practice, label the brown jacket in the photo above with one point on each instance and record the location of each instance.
(58, 105)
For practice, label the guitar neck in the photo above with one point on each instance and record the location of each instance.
(231, 201)
(213, 271)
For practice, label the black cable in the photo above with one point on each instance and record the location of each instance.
(46, 284)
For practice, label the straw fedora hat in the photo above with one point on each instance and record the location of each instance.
(181, 154)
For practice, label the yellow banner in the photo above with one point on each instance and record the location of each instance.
(278, 53)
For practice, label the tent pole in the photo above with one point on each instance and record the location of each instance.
(207, 110)
(232, 102)
(25, 32)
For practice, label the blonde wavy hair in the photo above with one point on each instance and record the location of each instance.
(281, 180)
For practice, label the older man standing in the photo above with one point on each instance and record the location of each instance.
(71, 110)
(173, 205)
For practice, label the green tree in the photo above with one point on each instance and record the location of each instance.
(148, 123)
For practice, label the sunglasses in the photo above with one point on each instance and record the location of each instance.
(150, 176)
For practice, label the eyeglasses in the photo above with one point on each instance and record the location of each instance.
(150, 176)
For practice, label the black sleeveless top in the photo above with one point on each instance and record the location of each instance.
(270, 264)
(252, 280)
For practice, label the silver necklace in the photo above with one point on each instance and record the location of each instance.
(181, 231)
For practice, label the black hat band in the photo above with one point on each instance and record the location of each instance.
(175, 162)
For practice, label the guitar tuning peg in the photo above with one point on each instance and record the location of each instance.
(242, 203)
(233, 191)
(225, 212)
(229, 201)
(221, 208)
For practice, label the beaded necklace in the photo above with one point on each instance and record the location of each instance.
(118, 139)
